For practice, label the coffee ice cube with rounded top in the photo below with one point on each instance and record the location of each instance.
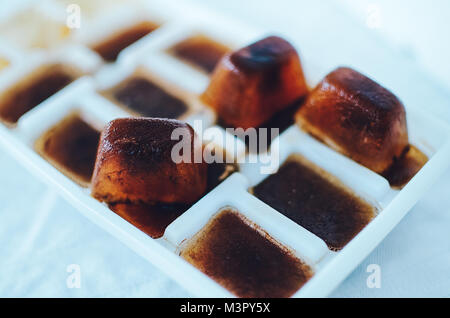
(357, 117)
(252, 84)
(134, 163)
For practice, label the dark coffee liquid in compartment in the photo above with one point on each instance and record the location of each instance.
(219, 171)
(281, 121)
(150, 219)
(405, 168)
(244, 259)
(200, 51)
(33, 90)
(315, 200)
(145, 98)
(111, 47)
(71, 146)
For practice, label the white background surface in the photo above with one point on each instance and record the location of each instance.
(418, 28)
(41, 234)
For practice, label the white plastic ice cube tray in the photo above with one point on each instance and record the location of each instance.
(149, 54)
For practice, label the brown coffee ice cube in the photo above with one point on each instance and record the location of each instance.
(357, 117)
(251, 85)
(134, 163)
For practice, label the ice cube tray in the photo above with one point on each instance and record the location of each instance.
(179, 20)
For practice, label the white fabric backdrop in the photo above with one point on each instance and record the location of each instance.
(41, 234)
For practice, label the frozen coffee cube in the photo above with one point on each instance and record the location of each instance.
(134, 163)
(252, 84)
(357, 117)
